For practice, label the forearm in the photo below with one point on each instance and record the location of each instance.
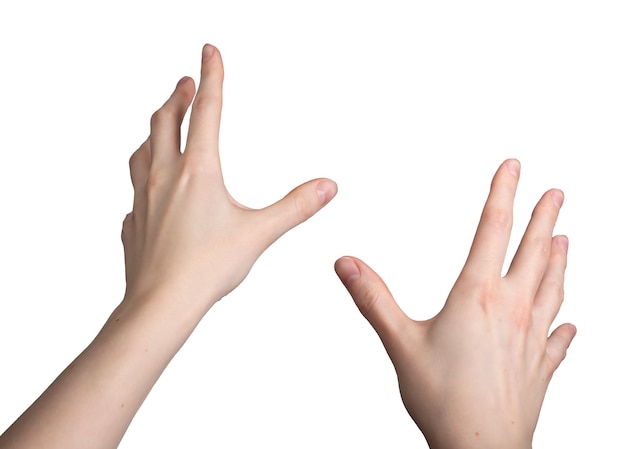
(94, 400)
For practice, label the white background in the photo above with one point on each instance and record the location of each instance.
(408, 106)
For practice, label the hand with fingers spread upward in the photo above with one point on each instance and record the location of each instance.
(187, 244)
(476, 374)
(185, 233)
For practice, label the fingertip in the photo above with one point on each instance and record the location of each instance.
(210, 56)
(513, 166)
(347, 269)
(567, 332)
(212, 65)
(559, 342)
(572, 330)
(204, 121)
(187, 88)
(558, 197)
(207, 52)
(562, 242)
(182, 82)
(326, 190)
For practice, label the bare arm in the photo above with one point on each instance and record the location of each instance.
(187, 244)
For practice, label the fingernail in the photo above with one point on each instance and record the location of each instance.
(557, 197)
(182, 81)
(326, 190)
(563, 243)
(349, 270)
(514, 166)
(207, 52)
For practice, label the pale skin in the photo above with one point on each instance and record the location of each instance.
(476, 374)
(187, 244)
(473, 376)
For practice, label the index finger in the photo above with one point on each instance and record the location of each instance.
(491, 241)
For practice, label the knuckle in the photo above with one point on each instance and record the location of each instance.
(140, 157)
(208, 98)
(127, 225)
(487, 292)
(163, 115)
(135, 159)
(132, 160)
(540, 245)
(193, 164)
(153, 183)
(304, 208)
(369, 297)
(498, 218)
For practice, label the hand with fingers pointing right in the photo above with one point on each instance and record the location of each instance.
(476, 374)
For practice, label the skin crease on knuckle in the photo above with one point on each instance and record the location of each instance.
(164, 116)
(498, 218)
(195, 164)
(206, 99)
(303, 207)
(370, 295)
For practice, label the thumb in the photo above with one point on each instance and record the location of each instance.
(298, 205)
(373, 299)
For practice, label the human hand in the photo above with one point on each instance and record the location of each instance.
(187, 243)
(186, 236)
(476, 374)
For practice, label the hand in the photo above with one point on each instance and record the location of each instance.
(186, 236)
(187, 244)
(475, 375)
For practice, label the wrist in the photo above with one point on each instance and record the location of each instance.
(165, 302)
(158, 322)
